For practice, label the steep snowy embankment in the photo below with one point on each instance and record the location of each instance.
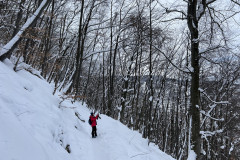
(33, 126)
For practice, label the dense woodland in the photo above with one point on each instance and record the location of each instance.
(170, 70)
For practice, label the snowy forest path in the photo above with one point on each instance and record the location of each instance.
(114, 141)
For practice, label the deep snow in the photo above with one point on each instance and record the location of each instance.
(34, 126)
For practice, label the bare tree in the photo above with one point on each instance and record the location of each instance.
(7, 49)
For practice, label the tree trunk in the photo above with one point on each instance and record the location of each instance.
(19, 18)
(150, 76)
(194, 97)
(48, 42)
(7, 49)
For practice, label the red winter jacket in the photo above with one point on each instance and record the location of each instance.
(94, 120)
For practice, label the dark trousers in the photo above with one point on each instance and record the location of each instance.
(94, 131)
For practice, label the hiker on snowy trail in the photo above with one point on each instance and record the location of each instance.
(93, 123)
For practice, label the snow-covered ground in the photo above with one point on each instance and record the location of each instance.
(34, 126)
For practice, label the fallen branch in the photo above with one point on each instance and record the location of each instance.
(78, 116)
(141, 154)
(67, 107)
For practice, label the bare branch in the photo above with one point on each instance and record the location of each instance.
(238, 3)
(188, 72)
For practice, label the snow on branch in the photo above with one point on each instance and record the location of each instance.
(209, 116)
(6, 50)
(205, 94)
(210, 133)
(231, 149)
(205, 134)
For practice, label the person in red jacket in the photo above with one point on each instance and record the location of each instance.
(94, 123)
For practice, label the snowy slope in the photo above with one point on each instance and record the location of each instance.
(33, 126)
